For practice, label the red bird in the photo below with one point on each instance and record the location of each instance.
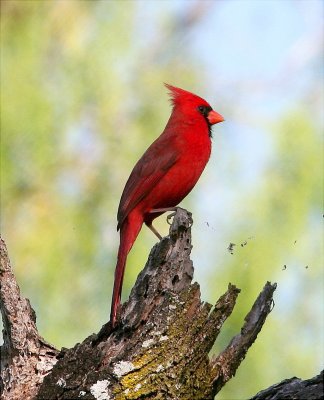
(164, 175)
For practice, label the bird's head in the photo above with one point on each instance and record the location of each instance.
(193, 107)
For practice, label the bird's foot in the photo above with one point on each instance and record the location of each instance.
(171, 216)
(162, 210)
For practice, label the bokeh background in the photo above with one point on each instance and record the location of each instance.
(82, 98)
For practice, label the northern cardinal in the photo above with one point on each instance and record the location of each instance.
(164, 175)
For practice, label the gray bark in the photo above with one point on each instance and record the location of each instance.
(294, 389)
(159, 349)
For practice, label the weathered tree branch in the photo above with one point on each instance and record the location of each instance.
(159, 350)
(294, 389)
(226, 363)
(25, 356)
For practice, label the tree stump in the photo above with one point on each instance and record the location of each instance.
(158, 350)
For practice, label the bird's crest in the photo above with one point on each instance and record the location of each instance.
(178, 95)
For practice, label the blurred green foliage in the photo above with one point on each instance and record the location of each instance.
(285, 217)
(72, 129)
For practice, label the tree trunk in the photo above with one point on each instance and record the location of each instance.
(159, 349)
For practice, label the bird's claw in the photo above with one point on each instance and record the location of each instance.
(170, 216)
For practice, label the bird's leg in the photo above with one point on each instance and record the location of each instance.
(162, 210)
(159, 210)
(150, 226)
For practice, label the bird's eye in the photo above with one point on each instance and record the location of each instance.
(202, 109)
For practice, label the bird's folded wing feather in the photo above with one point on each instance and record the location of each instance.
(148, 171)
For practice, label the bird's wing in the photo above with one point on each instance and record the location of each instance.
(154, 164)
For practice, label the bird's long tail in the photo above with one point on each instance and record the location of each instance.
(128, 233)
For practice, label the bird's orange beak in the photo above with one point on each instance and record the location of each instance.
(214, 118)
